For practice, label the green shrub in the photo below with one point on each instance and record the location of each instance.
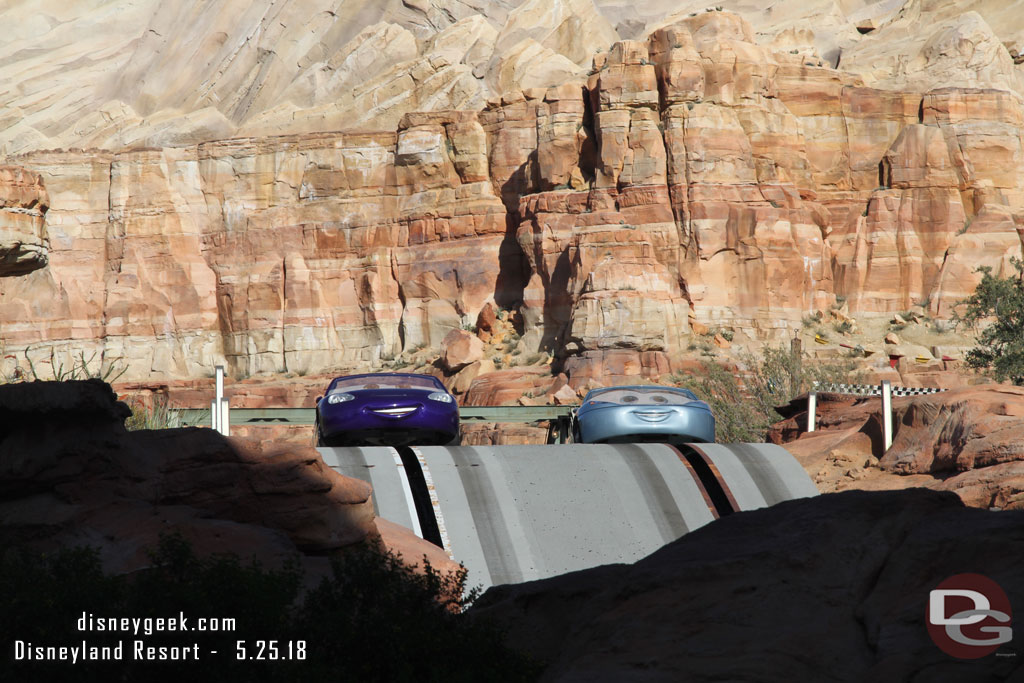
(999, 302)
(155, 415)
(736, 419)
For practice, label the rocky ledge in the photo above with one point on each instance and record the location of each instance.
(23, 206)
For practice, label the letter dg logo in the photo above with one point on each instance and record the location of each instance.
(969, 616)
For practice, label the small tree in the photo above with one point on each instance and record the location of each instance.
(1000, 346)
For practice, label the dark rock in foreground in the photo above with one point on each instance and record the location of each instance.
(826, 589)
(71, 475)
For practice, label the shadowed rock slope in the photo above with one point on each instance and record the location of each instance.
(826, 589)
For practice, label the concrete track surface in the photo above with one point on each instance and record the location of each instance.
(518, 513)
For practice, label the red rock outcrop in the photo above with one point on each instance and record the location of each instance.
(460, 348)
(967, 440)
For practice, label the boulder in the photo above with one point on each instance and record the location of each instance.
(565, 396)
(464, 378)
(460, 348)
(487, 318)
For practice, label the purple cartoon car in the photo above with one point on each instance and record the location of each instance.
(386, 409)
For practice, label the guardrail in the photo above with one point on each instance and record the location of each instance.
(870, 389)
(559, 416)
(885, 390)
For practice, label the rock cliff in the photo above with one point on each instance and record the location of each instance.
(119, 73)
(692, 175)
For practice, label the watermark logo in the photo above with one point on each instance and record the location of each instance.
(969, 616)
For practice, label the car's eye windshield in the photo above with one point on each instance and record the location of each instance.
(645, 397)
(384, 382)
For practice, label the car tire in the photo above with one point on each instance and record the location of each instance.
(318, 435)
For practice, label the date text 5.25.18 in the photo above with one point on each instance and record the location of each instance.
(270, 649)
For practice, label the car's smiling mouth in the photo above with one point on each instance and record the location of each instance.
(652, 415)
(394, 412)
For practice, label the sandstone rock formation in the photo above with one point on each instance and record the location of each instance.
(23, 205)
(71, 475)
(835, 584)
(121, 74)
(459, 348)
(145, 73)
(695, 175)
(932, 44)
(966, 440)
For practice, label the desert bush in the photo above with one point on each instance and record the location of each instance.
(844, 327)
(80, 368)
(744, 407)
(736, 418)
(154, 415)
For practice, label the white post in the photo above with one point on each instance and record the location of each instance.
(218, 419)
(887, 413)
(214, 409)
(812, 409)
(225, 417)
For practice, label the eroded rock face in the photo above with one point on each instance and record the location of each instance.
(71, 475)
(695, 175)
(263, 68)
(23, 206)
(848, 572)
(288, 254)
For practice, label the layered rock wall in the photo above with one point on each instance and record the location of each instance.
(693, 176)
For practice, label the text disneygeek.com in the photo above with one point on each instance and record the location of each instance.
(139, 649)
